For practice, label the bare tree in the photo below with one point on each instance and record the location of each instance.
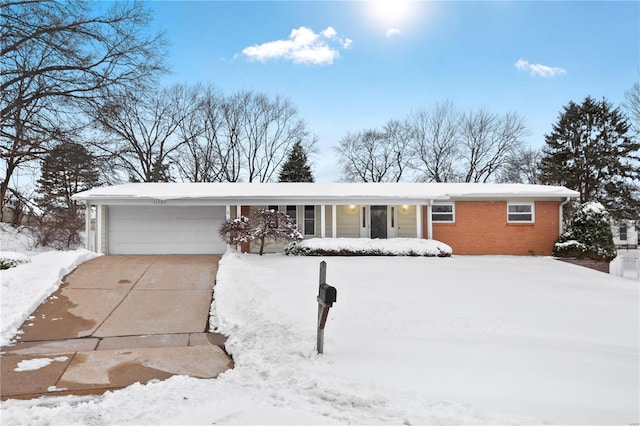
(632, 106)
(522, 167)
(487, 141)
(56, 55)
(399, 137)
(370, 156)
(243, 136)
(145, 128)
(435, 142)
(270, 128)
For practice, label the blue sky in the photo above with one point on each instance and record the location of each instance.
(353, 65)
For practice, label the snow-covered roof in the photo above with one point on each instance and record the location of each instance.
(345, 193)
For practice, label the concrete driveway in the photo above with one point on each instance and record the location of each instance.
(117, 320)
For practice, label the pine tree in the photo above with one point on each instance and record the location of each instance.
(591, 150)
(296, 168)
(588, 235)
(68, 169)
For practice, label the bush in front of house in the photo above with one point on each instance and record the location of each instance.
(368, 247)
(265, 226)
(10, 259)
(588, 235)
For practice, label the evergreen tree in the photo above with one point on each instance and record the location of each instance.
(588, 235)
(296, 168)
(591, 150)
(68, 169)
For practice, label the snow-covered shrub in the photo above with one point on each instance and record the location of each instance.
(368, 247)
(10, 259)
(588, 235)
(264, 226)
(236, 231)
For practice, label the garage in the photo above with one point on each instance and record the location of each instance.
(165, 229)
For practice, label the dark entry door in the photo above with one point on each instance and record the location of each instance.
(378, 221)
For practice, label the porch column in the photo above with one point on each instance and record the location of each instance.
(334, 221)
(238, 210)
(87, 224)
(99, 218)
(418, 221)
(227, 212)
(322, 221)
(429, 224)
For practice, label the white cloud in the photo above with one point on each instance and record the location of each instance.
(392, 31)
(539, 69)
(303, 46)
(347, 43)
(330, 32)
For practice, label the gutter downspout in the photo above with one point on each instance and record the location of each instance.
(561, 217)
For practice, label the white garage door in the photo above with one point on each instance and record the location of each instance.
(165, 229)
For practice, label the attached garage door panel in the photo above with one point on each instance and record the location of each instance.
(165, 230)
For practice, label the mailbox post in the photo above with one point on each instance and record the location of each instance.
(326, 298)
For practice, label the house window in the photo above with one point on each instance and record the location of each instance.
(443, 213)
(309, 220)
(520, 212)
(623, 232)
(292, 213)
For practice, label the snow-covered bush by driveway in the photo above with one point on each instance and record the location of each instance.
(10, 259)
(588, 236)
(368, 247)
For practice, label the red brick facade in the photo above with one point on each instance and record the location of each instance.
(481, 228)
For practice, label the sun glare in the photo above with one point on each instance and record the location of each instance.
(391, 11)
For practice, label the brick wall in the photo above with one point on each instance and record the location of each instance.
(481, 228)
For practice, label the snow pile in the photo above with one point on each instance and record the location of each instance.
(18, 240)
(11, 259)
(23, 289)
(369, 247)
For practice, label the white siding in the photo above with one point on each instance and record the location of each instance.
(407, 221)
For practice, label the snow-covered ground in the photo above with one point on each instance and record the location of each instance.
(461, 340)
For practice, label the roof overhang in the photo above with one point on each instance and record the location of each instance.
(313, 193)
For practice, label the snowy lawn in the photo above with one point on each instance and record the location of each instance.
(483, 339)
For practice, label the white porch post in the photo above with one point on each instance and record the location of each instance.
(99, 218)
(334, 221)
(227, 214)
(429, 222)
(238, 210)
(418, 221)
(323, 221)
(87, 224)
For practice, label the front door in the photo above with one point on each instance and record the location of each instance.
(378, 221)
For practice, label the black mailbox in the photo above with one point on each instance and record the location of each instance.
(327, 294)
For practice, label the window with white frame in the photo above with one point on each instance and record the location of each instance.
(520, 212)
(309, 220)
(443, 213)
(623, 232)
